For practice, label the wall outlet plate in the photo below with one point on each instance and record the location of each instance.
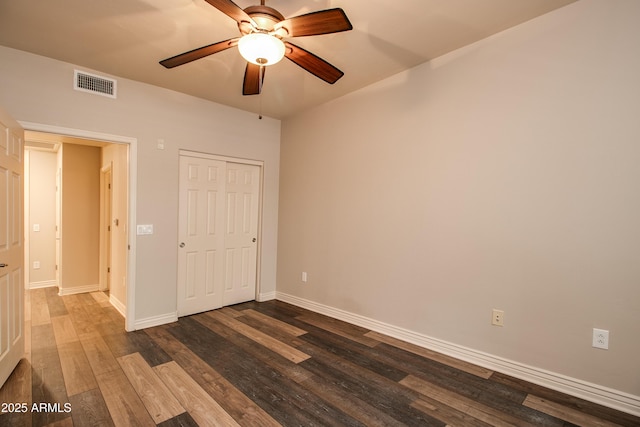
(600, 339)
(497, 317)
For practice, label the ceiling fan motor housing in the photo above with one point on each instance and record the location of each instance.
(264, 16)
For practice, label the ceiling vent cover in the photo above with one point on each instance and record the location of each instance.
(91, 83)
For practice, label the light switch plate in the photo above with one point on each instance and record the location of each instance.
(143, 229)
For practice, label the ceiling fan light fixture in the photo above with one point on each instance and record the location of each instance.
(261, 48)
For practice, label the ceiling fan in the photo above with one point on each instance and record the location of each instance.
(262, 43)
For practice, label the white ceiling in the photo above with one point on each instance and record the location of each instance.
(127, 38)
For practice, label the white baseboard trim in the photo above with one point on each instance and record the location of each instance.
(78, 289)
(118, 305)
(43, 284)
(156, 320)
(266, 296)
(588, 391)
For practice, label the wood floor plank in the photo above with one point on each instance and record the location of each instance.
(352, 332)
(284, 367)
(123, 343)
(277, 309)
(65, 422)
(159, 401)
(182, 420)
(447, 414)
(47, 381)
(55, 304)
(202, 407)
(90, 409)
(17, 389)
(231, 312)
(465, 405)
(236, 403)
(101, 298)
(439, 357)
(265, 340)
(39, 308)
(575, 403)
(347, 402)
(98, 354)
(85, 320)
(77, 373)
(124, 404)
(27, 341)
(27, 306)
(378, 391)
(274, 323)
(368, 358)
(63, 329)
(564, 412)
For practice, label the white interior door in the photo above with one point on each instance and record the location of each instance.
(11, 246)
(218, 230)
(201, 234)
(241, 232)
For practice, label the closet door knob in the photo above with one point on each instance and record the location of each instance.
(182, 245)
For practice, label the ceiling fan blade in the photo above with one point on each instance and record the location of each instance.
(232, 10)
(198, 53)
(312, 63)
(253, 79)
(315, 23)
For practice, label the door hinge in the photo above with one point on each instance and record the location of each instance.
(108, 269)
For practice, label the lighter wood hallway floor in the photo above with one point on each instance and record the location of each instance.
(256, 364)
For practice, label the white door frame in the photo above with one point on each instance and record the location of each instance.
(106, 214)
(133, 171)
(258, 163)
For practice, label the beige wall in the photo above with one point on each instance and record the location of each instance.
(504, 175)
(116, 156)
(80, 226)
(39, 90)
(41, 194)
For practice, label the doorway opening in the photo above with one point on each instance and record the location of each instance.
(93, 178)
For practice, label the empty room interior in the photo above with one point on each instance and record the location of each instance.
(421, 195)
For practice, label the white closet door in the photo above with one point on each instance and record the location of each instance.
(218, 231)
(241, 232)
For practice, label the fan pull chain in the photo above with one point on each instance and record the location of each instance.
(260, 77)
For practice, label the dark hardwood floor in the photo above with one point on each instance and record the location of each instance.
(256, 364)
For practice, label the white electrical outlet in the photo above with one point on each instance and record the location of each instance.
(36, 265)
(497, 317)
(600, 339)
(304, 276)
